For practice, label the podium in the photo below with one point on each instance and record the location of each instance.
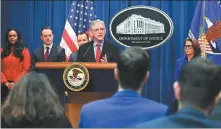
(101, 85)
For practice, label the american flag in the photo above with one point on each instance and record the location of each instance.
(78, 20)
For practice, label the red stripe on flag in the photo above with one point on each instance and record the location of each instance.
(69, 41)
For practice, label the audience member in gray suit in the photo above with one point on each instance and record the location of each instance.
(48, 52)
(82, 38)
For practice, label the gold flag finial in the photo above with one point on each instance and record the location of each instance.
(203, 40)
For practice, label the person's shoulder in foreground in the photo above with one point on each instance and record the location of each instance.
(125, 98)
(197, 90)
(185, 118)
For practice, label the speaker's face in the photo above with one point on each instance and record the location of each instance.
(98, 31)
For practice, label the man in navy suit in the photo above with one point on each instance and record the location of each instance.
(97, 50)
(48, 52)
(100, 51)
(198, 89)
(126, 108)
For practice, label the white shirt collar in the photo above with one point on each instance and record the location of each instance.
(50, 46)
(95, 43)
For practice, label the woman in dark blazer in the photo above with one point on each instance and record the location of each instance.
(32, 103)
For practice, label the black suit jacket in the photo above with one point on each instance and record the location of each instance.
(57, 54)
(86, 52)
(73, 57)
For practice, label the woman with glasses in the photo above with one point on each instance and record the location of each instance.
(192, 50)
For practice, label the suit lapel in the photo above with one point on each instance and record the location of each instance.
(91, 52)
(104, 50)
(42, 56)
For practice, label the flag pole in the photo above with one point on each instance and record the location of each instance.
(203, 37)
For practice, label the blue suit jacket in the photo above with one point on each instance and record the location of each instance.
(124, 109)
(179, 65)
(185, 118)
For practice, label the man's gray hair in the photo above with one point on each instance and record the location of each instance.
(95, 21)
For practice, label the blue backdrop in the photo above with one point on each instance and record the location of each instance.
(30, 16)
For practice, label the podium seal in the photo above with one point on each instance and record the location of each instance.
(76, 77)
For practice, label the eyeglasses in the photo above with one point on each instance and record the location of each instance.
(188, 46)
(97, 30)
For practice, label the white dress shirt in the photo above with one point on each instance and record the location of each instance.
(50, 46)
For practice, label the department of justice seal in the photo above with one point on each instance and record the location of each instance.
(144, 26)
(76, 77)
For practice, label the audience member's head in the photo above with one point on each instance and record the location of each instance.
(82, 38)
(132, 68)
(47, 35)
(98, 30)
(198, 85)
(32, 100)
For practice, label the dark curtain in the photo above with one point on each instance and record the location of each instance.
(30, 16)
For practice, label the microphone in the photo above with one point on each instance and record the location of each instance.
(86, 52)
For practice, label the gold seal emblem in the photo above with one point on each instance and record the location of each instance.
(76, 77)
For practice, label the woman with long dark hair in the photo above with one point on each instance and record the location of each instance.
(32, 103)
(15, 61)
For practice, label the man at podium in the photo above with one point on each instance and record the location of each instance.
(97, 50)
(100, 51)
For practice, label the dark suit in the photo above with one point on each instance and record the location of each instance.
(57, 54)
(124, 109)
(73, 57)
(185, 118)
(99, 78)
(86, 52)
